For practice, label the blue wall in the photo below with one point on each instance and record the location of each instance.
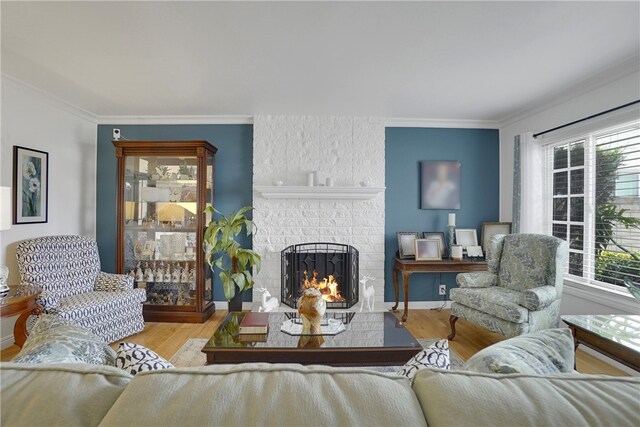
(478, 152)
(233, 175)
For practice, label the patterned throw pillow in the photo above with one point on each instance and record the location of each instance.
(434, 356)
(55, 340)
(135, 358)
(545, 352)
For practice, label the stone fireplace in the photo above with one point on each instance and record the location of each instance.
(349, 150)
(331, 268)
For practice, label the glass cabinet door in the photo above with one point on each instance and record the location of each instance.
(161, 215)
(208, 279)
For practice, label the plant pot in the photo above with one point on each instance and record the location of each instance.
(235, 303)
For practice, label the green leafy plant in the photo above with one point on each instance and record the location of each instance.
(616, 267)
(225, 253)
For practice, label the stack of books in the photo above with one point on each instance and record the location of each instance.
(254, 327)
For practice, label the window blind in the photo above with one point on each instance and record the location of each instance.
(593, 195)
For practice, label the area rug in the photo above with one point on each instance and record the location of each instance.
(190, 356)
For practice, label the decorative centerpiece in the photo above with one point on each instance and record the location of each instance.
(311, 307)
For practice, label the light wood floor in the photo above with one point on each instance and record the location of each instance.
(167, 338)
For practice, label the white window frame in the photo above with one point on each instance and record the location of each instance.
(589, 131)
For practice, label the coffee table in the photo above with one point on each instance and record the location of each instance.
(369, 339)
(616, 336)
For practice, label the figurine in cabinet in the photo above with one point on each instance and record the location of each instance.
(167, 273)
(175, 275)
(159, 273)
(139, 275)
(148, 273)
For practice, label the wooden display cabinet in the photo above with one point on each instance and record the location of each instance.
(163, 189)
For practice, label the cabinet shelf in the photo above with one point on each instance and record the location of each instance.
(307, 192)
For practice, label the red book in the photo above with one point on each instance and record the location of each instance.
(254, 323)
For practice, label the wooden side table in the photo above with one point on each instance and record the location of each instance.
(410, 266)
(21, 301)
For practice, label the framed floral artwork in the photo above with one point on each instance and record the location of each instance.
(30, 185)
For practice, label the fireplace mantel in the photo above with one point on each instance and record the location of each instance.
(306, 192)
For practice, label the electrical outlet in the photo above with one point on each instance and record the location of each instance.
(442, 289)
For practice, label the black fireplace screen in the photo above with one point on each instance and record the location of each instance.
(330, 267)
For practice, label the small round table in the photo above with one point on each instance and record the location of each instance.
(24, 304)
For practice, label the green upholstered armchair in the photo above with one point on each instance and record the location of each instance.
(521, 290)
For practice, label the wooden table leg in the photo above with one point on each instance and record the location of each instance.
(20, 332)
(576, 343)
(395, 286)
(405, 286)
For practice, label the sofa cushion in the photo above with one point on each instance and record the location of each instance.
(499, 302)
(263, 394)
(544, 352)
(478, 399)
(91, 304)
(58, 395)
(527, 261)
(55, 340)
(434, 356)
(135, 358)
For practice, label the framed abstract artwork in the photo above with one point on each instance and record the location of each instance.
(30, 185)
(439, 184)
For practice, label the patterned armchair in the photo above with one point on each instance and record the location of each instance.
(521, 291)
(67, 268)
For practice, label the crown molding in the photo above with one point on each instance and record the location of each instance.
(619, 71)
(53, 100)
(175, 120)
(441, 123)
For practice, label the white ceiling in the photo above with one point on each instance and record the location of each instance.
(453, 60)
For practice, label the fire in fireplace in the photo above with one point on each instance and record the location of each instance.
(332, 268)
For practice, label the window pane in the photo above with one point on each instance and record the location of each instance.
(575, 263)
(560, 157)
(560, 183)
(577, 154)
(577, 181)
(560, 209)
(560, 231)
(576, 239)
(577, 209)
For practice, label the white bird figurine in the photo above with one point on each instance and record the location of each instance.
(368, 293)
(268, 303)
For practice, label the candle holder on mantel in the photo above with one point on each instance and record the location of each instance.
(452, 227)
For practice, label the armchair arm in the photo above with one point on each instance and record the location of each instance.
(481, 279)
(539, 298)
(107, 282)
(47, 300)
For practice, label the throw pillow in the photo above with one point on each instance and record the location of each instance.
(135, 358)
(434, 356)
(549, 351)
(55, 340)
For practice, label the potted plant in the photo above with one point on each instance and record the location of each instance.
(224, 252)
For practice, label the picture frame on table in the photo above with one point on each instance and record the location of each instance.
(466, 237)
(439, 236)
(490, 229)
(30, 186)
(428, 250)
(406, 244)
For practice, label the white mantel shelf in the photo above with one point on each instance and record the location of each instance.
(304, 192)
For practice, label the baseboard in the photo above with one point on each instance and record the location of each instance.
(420, 305)
(7, 342)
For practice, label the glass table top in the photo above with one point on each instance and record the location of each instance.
(362, 330)
(621, 329)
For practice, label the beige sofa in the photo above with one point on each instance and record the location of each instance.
(294, 395)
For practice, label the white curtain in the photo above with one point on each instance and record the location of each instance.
(528, 185)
